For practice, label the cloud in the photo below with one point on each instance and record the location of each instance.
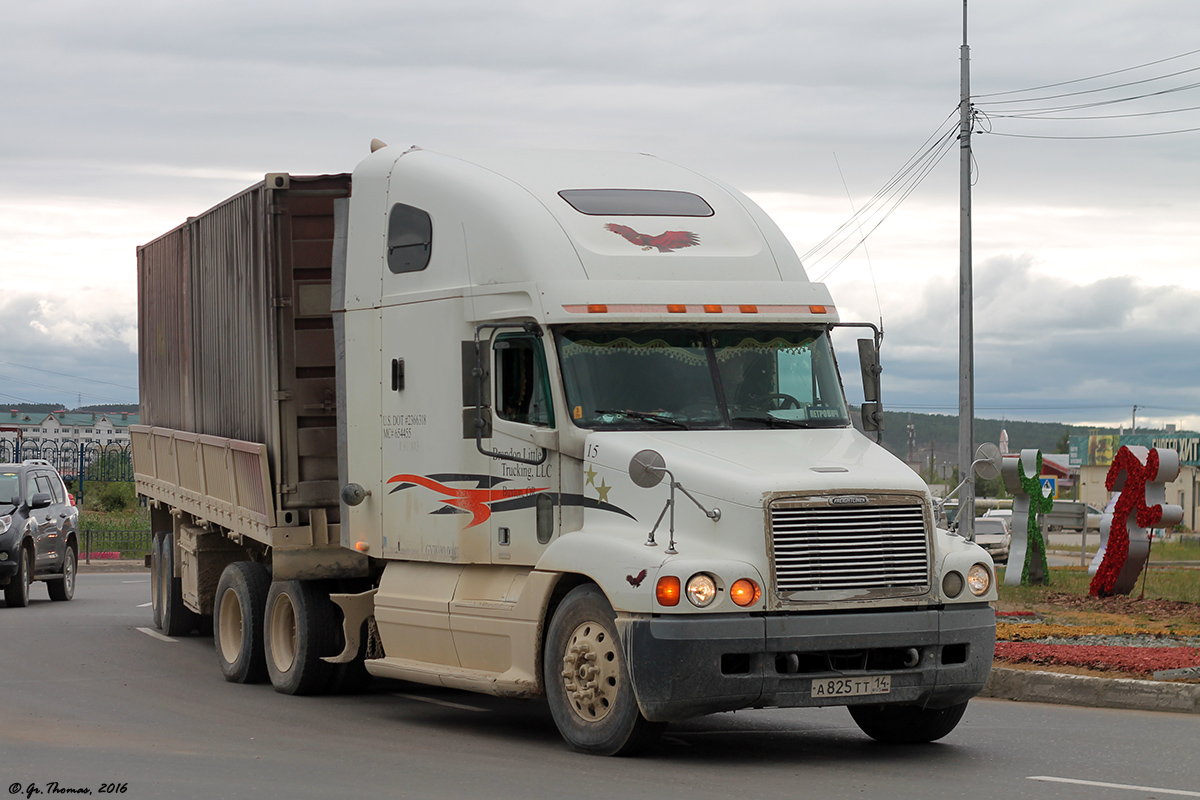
(1046, 348)
(62, 348)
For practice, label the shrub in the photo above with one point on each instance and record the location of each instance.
(109, 496)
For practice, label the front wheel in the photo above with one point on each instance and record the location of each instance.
(900, 724)
(16, 594)
(587, 681)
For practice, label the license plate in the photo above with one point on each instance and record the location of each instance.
(852, 687)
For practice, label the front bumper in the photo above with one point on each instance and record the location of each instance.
(683, 667)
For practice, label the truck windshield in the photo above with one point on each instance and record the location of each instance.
(698, 378)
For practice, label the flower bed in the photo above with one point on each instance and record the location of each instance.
(1139, 661)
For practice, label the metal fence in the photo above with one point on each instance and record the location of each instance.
(78, 462)
(106, 545)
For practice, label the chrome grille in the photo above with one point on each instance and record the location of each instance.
(822, 548)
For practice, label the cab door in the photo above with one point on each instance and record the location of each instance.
(525, 471)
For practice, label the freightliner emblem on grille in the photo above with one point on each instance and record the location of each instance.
(848, 500)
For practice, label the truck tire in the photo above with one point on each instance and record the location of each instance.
(65, 589)
(238, 614)
(156, 579)
(298, 630)
(16, 594)
(177, 619)
(901, 724)
(587, 682)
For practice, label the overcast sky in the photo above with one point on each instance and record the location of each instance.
(123, 118)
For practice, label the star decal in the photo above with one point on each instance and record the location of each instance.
(602, 491)
(591, 476)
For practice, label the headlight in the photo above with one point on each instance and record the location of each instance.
(952, 584)
(701, 590)
(5, 523)
(979, 580)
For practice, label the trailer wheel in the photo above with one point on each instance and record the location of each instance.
(177, 619)
(587, 682)
(238, 613)
(16, 594)
(65, 589)
(297, 631)
(902, 724)
(156, 578)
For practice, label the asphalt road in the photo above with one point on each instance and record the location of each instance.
(88, 700)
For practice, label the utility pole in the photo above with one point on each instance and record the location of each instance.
(966, 342)
(1133, 422)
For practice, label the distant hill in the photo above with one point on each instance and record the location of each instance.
(937, 434)
(47, 408)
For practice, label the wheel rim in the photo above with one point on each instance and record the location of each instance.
(230, 630)
(69, 573)
(591, 674)
(283, 633)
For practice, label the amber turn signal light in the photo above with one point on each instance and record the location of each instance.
(667, 591)
(745, 592)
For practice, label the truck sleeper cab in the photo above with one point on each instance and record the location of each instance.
(591, 443)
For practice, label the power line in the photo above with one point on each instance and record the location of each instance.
(887, 199)
(1109, 136)
(65, 375)
(1094, 91)
(1092, 77)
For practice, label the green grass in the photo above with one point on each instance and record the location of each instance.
(121, 531)
(136, 519)
(1161, 584)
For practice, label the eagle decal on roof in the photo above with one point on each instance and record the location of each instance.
(666, 242)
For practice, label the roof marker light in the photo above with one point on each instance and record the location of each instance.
(676, 309)
(817, 309)
(713, 309)
(597, 308)
(748, 309)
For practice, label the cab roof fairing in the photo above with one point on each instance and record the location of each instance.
(498, 219)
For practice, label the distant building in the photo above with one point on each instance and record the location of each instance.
(102, 428)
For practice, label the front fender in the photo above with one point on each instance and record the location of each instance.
(625, 569)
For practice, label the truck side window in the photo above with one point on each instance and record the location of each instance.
(522, 385)
(409, 240)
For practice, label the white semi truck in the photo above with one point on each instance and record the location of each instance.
(560, 424)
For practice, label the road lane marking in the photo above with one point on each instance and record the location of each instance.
(144, 580)
(146, 605)
(446, 703)
(1102, 785)
(157, 635)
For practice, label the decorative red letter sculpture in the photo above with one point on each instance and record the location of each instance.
(1139, 475)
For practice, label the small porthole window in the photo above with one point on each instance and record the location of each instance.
(409, 239)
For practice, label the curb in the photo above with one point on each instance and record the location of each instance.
(111, 565)
(1085, 690)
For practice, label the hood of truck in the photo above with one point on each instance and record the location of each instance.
(745, 467)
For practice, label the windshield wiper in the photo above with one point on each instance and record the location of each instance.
(662, 419)
(772, 422)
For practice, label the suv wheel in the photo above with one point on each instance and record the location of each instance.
(16, 594)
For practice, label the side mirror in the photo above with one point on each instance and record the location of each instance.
(872, 408)
(646, 468)
(39, 500)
